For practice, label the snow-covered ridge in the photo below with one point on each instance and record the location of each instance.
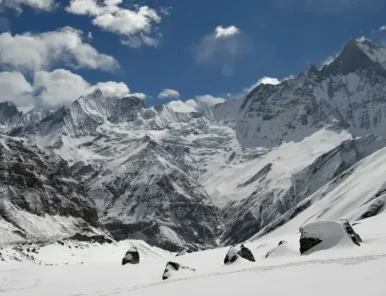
(218, 177)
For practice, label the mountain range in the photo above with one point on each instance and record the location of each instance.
(240, 169)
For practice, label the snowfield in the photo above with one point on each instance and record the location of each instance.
(92, 269)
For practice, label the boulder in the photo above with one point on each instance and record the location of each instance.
(236, 252)
(172, 268)
(281, 250)
(132, 256)
(324, 235)
(182, 252)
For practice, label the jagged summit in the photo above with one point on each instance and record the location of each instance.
(357, 54)
(9, 114)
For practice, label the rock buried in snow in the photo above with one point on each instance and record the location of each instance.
(236, 252)
(172, 268)
(132, 256)
(282, 249)
(356, 239)
(324, 235)
(182, 252)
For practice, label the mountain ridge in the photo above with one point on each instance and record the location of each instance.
(220, 176)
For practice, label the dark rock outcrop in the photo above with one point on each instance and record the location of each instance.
(40, 184)
(131, 256)
(356, 239)
(322, 235)
(236, 252)
(182, 252)
(172, 267)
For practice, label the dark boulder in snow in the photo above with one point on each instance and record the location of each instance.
(324, 235)
(356, 239)
(172, 268)
(182, 252)
(282, 249)
(238, 251)
(132, 256)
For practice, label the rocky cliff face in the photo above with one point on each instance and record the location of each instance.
(40, 200)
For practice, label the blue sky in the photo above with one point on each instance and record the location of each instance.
(172, 44)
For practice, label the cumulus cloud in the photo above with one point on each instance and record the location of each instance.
(46, 5)
(263, 80)
(180, 106)
(34, 52)
(168, 93)
(136, 27)
(14, 86)
(382, 28)
(222, 47)
(53, 89)
(226, 32)
(199, 103)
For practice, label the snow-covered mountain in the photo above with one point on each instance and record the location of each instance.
(223, 175)
(9, 115)
(39, 199)
(346, 94)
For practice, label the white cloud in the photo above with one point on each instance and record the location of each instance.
(264, 80)
(136, 27)
(113, 89)
(168, 93)
(61, 87)
(180, 106)
(199, 103)
(328, 60)
(382, 28)
(33, 52)
(15, 87)
(54, 89)
(46, 5)
(222, 47)
(226, 32)
(138, 95)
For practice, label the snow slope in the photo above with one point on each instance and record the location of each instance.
(348, 269)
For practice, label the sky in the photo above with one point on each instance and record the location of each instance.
(188, 54)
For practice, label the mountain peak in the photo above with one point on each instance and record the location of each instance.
(356, 55)
(9, 113)
(96, 93)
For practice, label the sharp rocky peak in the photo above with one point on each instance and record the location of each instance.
(357, 54)
(9, 113)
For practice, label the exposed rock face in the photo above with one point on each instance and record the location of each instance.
(356, 239)
(37, 187)
(131, 256)
(307, 243)
(236, 252)
(9, 114)
(172, 268)
(182, 252)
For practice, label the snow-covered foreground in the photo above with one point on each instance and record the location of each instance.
(88, 269)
